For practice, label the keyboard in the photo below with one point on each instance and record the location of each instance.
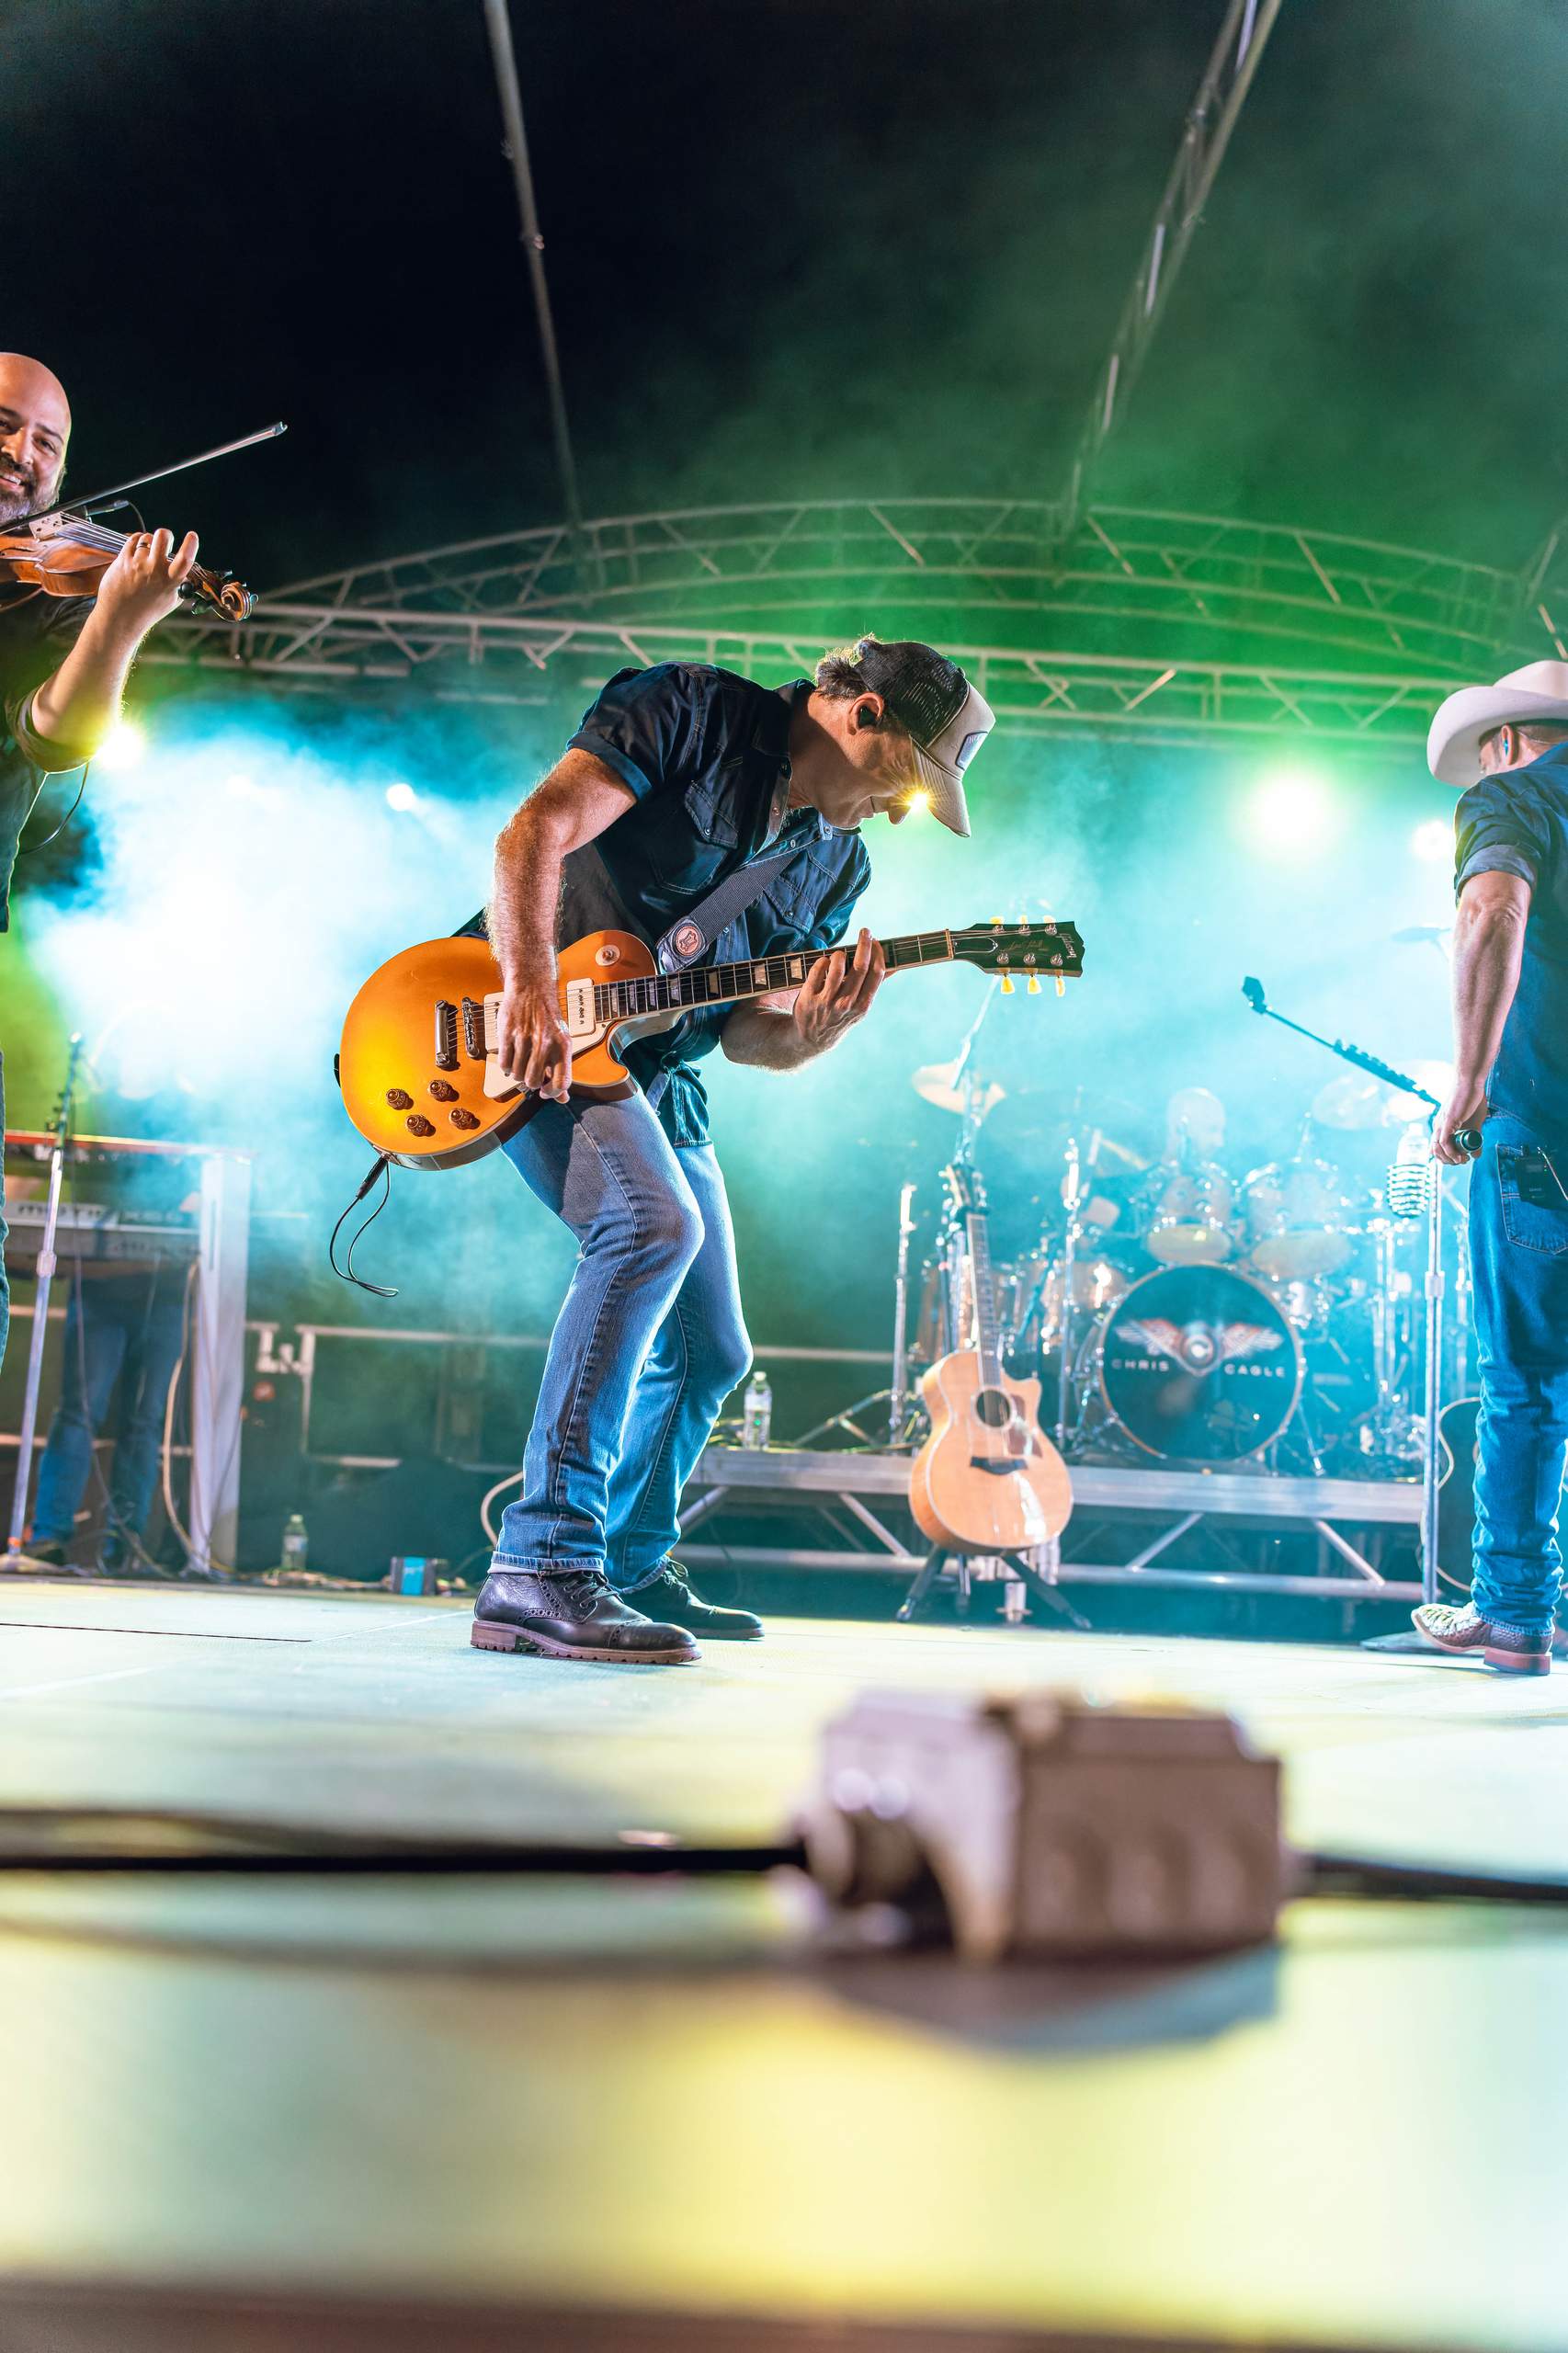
(91, 1229)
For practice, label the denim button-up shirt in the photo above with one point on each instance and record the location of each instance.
(707, 755)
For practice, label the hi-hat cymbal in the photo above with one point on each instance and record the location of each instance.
(934, 1083)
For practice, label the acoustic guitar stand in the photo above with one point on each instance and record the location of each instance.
(1021, 1576)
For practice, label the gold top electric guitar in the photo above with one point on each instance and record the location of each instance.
(418, 1065)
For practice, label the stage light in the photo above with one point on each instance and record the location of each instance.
(400, 797)
(1292, 811)
(241, 786)
(1433, 841)
(918, 803)
(125, 746)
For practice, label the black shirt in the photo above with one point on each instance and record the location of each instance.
(36, 635)
(1517, 822)
(707, 754)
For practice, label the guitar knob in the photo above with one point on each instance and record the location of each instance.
(399, 1100)
(420, 1126)
(443, 1090)
(462, 1119)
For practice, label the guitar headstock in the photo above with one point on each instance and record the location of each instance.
(966, 1194)
(1030, 951)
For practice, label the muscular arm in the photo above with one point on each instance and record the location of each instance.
(574, 803)
(792, 1027)
(1489, 942)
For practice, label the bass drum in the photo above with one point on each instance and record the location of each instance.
(1198, 1365)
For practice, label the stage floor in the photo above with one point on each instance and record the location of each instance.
(653, 2101)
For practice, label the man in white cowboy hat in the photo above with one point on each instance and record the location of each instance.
(1507, 748)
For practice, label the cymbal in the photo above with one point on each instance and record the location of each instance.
(1036, 1125)
(933, 1082)
(1357, 1102)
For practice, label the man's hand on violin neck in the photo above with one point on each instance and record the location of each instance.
(533, 1046)
(142, 585)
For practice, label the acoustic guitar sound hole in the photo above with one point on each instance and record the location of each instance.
(994, 1408)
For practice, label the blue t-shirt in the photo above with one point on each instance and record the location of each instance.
(707, 755)
(1517, 822)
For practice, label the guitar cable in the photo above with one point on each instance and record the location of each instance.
(380, 1166)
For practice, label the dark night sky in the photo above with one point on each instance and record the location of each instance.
(795, 248)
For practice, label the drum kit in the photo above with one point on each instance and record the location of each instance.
(1180, 1310)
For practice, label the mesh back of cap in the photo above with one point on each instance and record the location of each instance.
(921, 687)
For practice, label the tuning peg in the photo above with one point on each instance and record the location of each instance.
(1006, 984)
(1060, 985)
(1034, 985)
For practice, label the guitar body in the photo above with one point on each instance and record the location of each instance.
(418, 1046)
(987, 1479)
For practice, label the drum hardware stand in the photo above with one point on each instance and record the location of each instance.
(1072, 1194)
(46, 1266)
(897, 1399)
(1431, 1473)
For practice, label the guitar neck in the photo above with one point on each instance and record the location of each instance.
(986, 1335)
(760, 976)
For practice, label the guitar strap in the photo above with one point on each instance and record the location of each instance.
(691, 936)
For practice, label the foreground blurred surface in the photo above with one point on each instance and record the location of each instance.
(548, 2099)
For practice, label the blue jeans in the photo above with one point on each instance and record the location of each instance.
(1519, 1257)
(648, 1342)
(123, 1328)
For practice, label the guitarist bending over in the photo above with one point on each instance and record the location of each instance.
(679, 777)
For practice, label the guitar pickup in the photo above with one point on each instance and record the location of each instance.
(446, 1035)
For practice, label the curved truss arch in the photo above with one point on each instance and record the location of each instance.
(1183, 628)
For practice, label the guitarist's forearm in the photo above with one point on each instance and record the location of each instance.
(766, 1038)
(525, 897)
(574, 803)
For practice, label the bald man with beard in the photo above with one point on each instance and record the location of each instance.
(63, 660)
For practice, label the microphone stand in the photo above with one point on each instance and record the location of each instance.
(1468, 1139)
(46, 1264)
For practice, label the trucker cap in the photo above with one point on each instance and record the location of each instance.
(948, 719)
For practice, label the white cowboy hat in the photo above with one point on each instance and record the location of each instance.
(1533, 696)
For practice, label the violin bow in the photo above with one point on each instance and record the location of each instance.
(161, 474)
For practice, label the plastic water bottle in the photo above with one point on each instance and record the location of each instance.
(296, 1544)
(756, 1411)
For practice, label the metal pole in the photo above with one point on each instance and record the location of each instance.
(898, 1396)
(500, 28)
(1069, 1286)
(46, 1263)
(1430, 1475)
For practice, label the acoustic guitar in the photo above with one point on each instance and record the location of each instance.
(987, 1479)
(418, 1066)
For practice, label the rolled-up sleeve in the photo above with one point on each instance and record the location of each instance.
(645, 725)
(1497, 831)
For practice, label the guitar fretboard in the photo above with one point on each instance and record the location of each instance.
(759, 976)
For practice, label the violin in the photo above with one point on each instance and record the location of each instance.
(67, 555)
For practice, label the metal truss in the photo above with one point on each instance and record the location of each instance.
(1182, 628)
(1206, 134)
